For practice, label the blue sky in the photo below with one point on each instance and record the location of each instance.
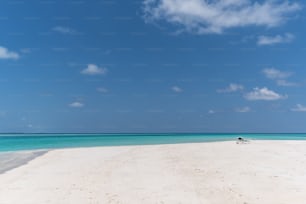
(152, 66)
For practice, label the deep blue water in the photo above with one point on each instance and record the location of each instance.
(15, 142)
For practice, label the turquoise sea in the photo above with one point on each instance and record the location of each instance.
(16, 142)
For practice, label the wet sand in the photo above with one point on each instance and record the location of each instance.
(11, 160)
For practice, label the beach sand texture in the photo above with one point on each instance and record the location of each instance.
(271, 172)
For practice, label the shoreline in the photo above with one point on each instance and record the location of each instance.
(52, 141)
(262, 171)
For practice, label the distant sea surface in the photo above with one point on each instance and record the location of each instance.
(17, 142)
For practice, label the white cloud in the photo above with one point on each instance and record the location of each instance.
(6, 54)
(231, 88)
(215, 16)
(285, 83)
(273, 73)
(26, 50)
(102, 90)
(64, 30)
(93, 69)
(271, 40)
(211, 112)
(279, 76)
(299, 108)
(176, 89)
(243, 109)
(263, 94)
(76, 104)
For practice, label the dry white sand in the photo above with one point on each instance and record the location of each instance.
(272, 172)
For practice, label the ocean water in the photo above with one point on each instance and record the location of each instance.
(17, 142)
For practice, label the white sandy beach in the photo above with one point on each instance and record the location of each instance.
(272, 172)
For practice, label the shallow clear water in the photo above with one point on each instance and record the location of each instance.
(15, 142)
